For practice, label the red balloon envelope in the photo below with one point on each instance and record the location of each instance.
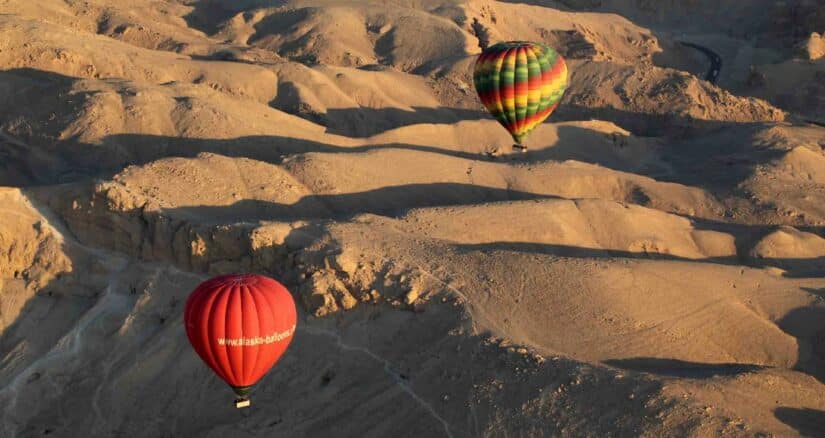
(240, 325)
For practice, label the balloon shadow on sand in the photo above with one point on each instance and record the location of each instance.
(808, 422)
(807, 325)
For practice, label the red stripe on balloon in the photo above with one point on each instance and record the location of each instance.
(240, 325)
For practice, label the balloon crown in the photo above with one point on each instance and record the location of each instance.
(237, 280)
(512, 44)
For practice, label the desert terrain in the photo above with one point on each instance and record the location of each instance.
(653, 265)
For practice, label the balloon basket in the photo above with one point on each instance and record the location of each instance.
(243, 396)
(519, 147)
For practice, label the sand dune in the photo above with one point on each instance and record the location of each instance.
(652, 265)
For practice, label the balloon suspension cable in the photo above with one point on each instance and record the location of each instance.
(242, 401)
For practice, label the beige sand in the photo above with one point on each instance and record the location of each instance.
(654, 265)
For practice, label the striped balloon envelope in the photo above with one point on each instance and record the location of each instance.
(520, 83)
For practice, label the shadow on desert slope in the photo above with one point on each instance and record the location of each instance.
(808, 422)
(805, 268)
(114, 340)
(680, 368)
(39, 154)
(807, 324)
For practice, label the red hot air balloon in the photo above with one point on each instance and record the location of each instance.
(240, 325)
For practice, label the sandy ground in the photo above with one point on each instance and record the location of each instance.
(654, 265)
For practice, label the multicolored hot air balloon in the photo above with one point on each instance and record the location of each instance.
(240, 325)
(520, 83)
